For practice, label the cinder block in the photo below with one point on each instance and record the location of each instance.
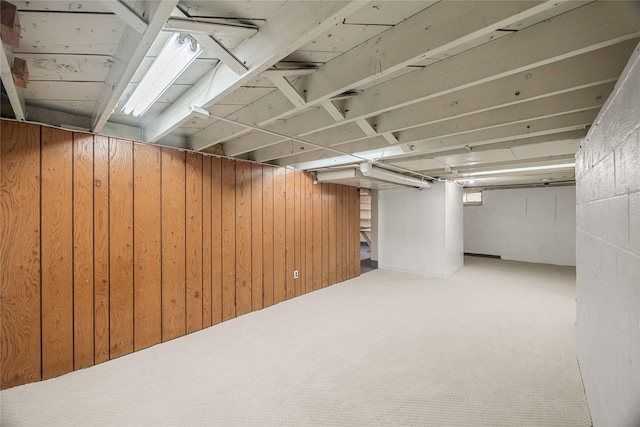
(634, 223)
(628, 163)
(584, 188)
(620, 115)
(628, 370)
(582, 160)
(628, 280)
(609, 220)
(603, 259)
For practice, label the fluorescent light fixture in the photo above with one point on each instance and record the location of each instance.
(525, 169)
(176, 55)
(371, 155)
(335, 175)
(385, 175)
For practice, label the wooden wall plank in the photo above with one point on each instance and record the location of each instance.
(267, 230)
(333, 250)
(325, 234)
(308, 232)
(20, 253)
(317, 236)
(243, 238)
(206, 242)
(256, 237)
(290, 224)
(228, 239)
(194, 241)
(83, 251)
(350, 232)
(339, 233)
(216, 240)
(121, 247)
(57, 252)
(298, 234)
(173, 244)
(147, 251)
(151, 243)
(279, 240)
(101, 247)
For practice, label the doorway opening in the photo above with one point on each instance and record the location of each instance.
(365, 232)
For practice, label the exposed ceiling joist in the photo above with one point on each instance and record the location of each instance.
(303, 22)
(215, 48)
(128, 15)
(482, 146)
(517, 53)
(131, 52)
(288, 90)
(400, 50)
(417, 127)
(210, 27)
(590, 69)
(440, 138)
(15, 93)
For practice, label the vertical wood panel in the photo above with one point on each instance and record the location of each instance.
(290, 229)
(325, 235)
(279, 241)
(206, 242)
(83, 251)
(348, 200)
(228, 239)
(267, 230)
(339, 233)
(120, 248)
(243, 238)
(147, 251)
(355, 240)
(298, 264)
(256, 237)
(216, 240)
(173, 244)
(57, 252)
(101, 247)
(332, 234)
(20, 254)
(317, 235)
(194, 241)
(308, 239)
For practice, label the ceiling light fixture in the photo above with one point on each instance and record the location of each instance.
(525, 169)
(176, 55)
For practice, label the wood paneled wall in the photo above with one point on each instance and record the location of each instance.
(110, 246)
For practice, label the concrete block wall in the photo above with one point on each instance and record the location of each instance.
(528, 224)
(608, 256)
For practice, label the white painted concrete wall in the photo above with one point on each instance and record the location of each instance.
(528, 224)
(420, 231)
(608, 256)
(454, 233)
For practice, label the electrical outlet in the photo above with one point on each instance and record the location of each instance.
(295, 274)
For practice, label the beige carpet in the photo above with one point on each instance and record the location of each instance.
(492, 346)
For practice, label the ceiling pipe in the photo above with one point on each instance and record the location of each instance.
(384, 175)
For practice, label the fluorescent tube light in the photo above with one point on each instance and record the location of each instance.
(372, 155)
(385, 175)
(335, 175)
(176, 55)
(525, 169)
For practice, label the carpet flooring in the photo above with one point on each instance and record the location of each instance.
(493, 345)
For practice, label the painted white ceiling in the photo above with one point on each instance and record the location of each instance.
(438, 88)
